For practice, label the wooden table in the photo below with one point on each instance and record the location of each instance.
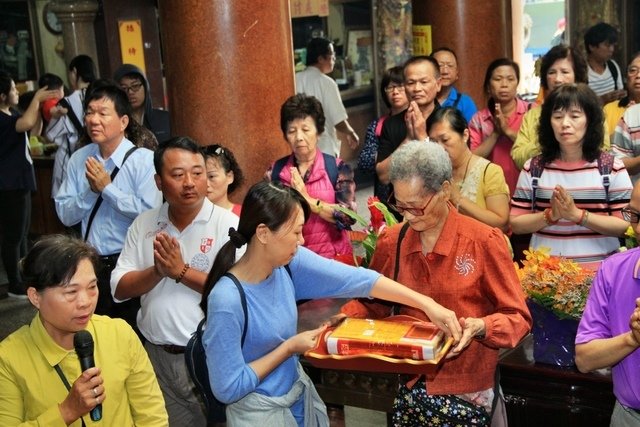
(535, 394)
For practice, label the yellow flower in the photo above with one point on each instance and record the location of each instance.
(557, 283)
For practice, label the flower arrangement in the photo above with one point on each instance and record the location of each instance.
(630, 239)
(364, 241)
(559, 284)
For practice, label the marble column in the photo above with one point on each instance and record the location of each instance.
(478, 31)
(229, 68)
(77, 19)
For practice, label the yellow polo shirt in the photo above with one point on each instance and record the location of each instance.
(31, 390)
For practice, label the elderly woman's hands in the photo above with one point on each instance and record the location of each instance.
(85, 394)
(298, 183)
(471, 328)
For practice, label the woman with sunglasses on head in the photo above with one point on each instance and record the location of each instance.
(571, 196)
(438, 251)
(478, 188)
(224, 176)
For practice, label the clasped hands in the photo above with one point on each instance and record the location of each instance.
(634, 324)
(563, 206)
(97, 175)
(415, 122)
(167, 257)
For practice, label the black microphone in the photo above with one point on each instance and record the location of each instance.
(83, 343)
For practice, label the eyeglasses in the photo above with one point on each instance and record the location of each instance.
(391, 88)
(413, 211)
(632, 71)
(131, 89)
(631, 215)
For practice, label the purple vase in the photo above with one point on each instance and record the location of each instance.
(553, 338)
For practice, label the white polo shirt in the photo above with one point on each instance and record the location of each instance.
(170, 312)
(313, 82)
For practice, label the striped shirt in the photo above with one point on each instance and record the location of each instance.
(626, 139)
(603, 83)
(584, 182)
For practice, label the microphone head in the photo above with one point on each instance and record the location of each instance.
(83, 343)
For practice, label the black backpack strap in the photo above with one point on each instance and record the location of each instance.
(72, 115)
(92, 215)
(243, 301)
(331, 167)
(614, 73)
(536, 167)
(277, 168)
(395, 308)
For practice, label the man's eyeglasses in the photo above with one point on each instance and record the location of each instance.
(131, 89)
(391, 88)
(413, 211)
(631, 215)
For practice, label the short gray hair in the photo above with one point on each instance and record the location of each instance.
(425, 160)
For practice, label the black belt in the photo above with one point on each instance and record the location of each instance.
(109, 260)
(173, 349)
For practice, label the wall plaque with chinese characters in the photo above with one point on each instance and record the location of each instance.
(300, 8)
(131, 43)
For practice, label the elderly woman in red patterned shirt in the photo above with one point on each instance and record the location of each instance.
(460, 262)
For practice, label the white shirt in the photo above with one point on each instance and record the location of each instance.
(65, 135)
(170, 312)
(312, 81)
(603, 83)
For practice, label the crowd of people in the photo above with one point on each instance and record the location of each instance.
(154, 238)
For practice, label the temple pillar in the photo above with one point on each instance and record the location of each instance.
(478, 31)
(229, 67)
(77, 18)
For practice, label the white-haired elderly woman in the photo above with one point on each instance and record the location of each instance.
(460, 262)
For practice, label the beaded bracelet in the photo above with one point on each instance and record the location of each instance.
(182, 273)
(546, 215)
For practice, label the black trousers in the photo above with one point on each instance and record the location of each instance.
(15, 220)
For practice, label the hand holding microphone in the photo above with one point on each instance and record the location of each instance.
(87, 392)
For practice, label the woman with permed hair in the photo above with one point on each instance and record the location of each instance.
(224, 176)
(571, 196)
(561, 65)
(324, 180)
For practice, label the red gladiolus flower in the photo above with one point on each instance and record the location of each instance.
(377, 219)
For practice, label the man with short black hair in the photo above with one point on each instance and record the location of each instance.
(314, 81)
(165, 261)
(108, 184)
(422, 84)
(604, 74)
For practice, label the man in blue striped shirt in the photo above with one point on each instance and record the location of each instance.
(108, 184)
